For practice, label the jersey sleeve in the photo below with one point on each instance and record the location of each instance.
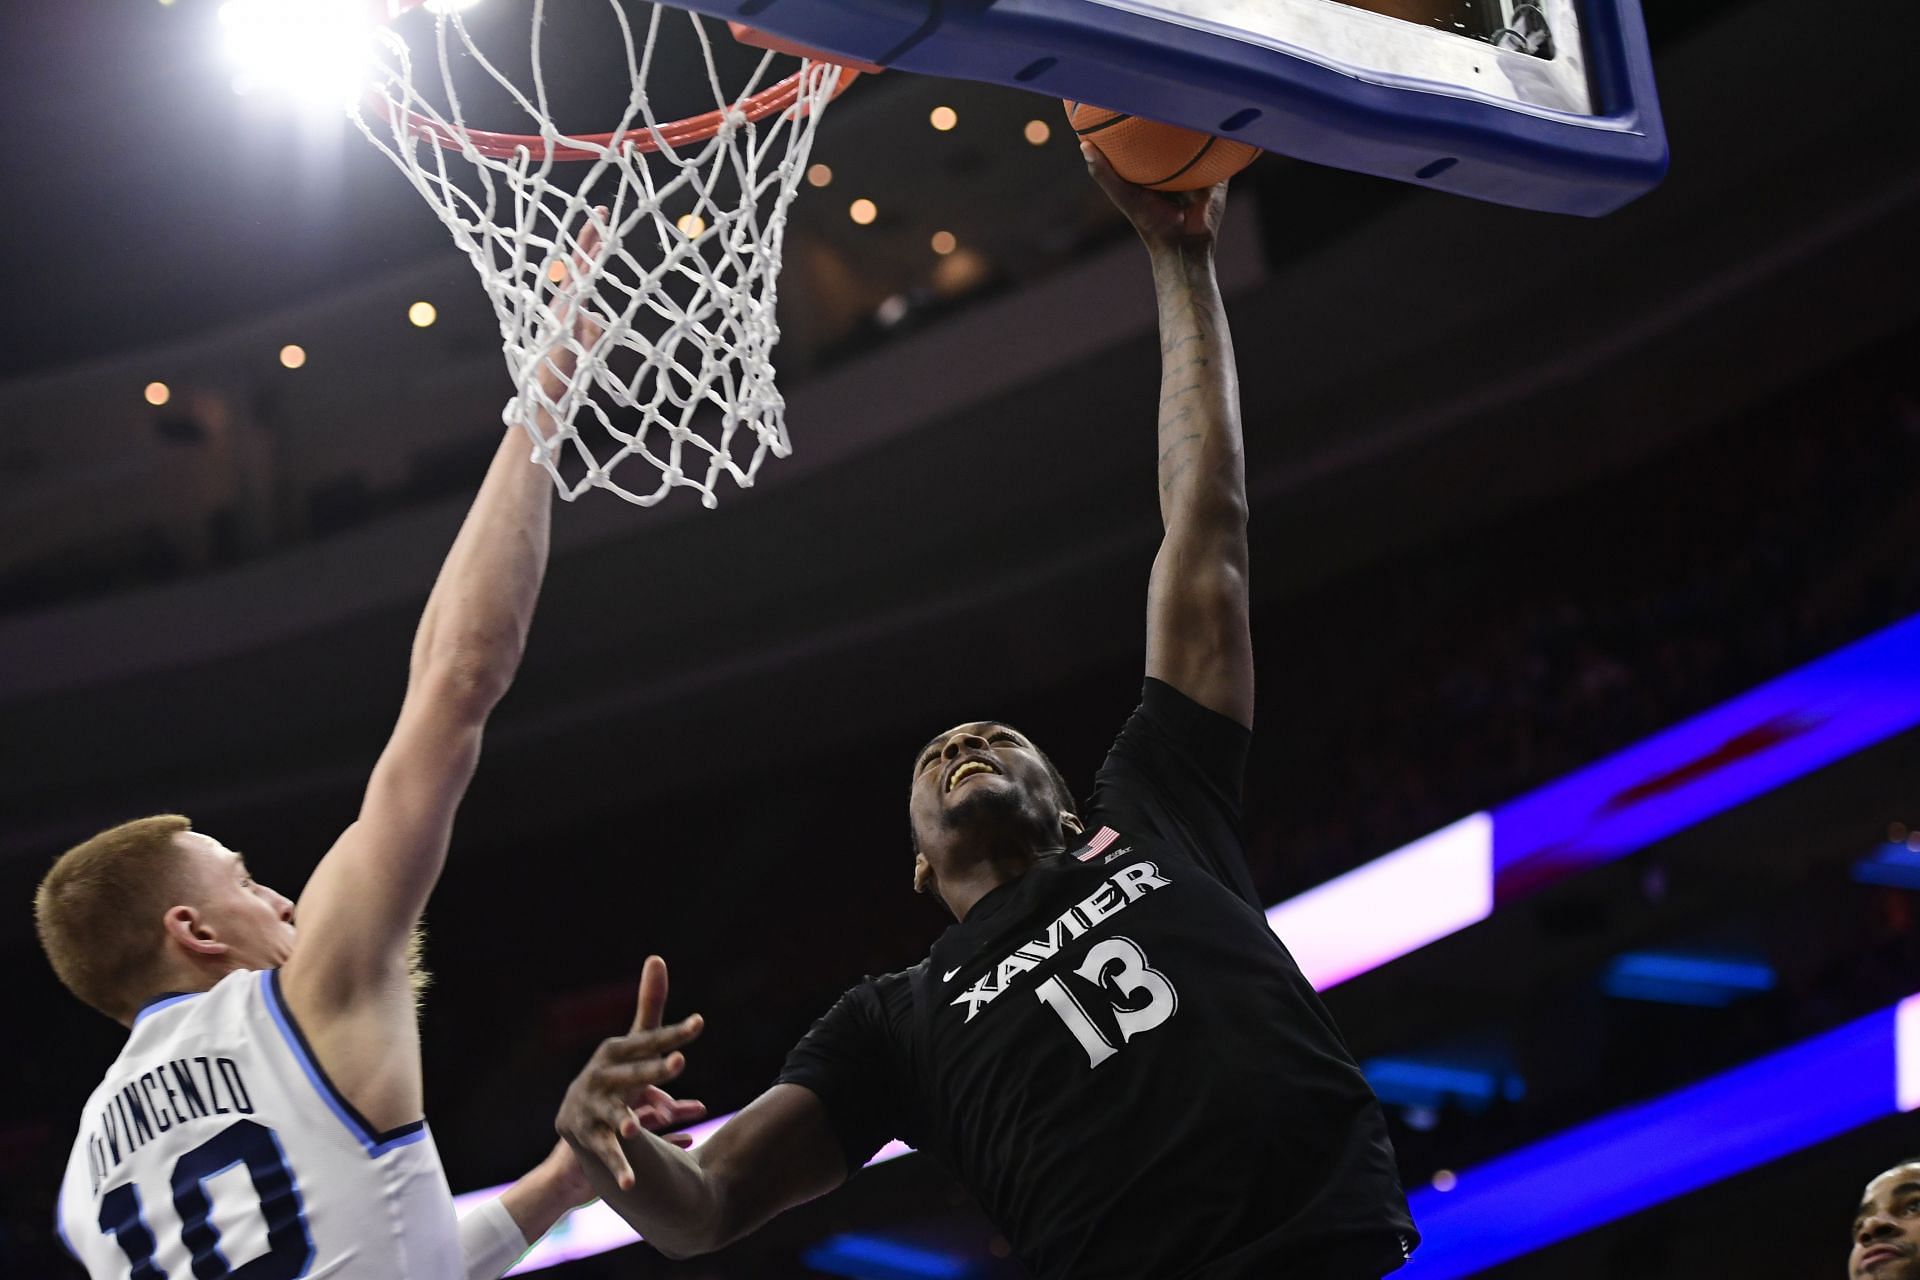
(1177, 771)
(853, 1060)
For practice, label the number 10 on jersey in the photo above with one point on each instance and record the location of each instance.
(244, 1143)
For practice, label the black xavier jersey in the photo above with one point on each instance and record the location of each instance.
(1116, 1055)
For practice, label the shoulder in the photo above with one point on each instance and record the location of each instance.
(1169, 714)
(887, 999)
(864, 1038)
(1172, 742)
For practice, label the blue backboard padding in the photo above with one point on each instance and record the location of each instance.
(1767, 737)
(1640, 1156)
(1204, 80)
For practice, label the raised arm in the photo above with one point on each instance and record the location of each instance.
(776, 1153)
(347, 980)
(1198, 639)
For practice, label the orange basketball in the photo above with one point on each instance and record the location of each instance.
(1162, 156)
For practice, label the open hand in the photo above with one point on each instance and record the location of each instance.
(574, 316)
(657, 1109)
(1164, 219)
(617, 1094)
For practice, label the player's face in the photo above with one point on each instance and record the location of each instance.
(1886, 1230)
(255, 922)
(980, 773)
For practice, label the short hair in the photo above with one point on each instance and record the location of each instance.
(98, 911)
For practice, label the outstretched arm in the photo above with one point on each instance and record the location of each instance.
(1198, 638)
(777, 1153)
(496, 1233)
(347, 980)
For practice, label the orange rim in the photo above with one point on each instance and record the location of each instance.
(774, 98)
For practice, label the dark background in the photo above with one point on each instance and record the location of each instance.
(1525, 490)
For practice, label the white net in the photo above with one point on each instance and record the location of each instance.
(681, 375)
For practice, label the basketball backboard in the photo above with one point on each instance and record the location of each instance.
(1542, 104)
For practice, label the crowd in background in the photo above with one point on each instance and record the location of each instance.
(1760, 545)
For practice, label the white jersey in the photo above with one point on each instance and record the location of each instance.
(216, 1146)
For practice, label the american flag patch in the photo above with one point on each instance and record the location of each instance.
(1098, 845)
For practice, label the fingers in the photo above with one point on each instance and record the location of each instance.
(603, 1144)
(1153, 214)
(1102, 171)
(592, 236)
(653, 995)
(661, 1100)
(620, 1080)
(629, 1069)
(670, 1114)
(650, 1044)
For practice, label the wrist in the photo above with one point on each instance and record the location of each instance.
(490, 1240)
(1189, 260)
(542, 1198)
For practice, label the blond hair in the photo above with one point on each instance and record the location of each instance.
(98, 911)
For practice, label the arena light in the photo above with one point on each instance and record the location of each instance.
(1701, 981)
(316, 51)
(866, 1257)
(595, 1229)
(1646, 1154)
(1397, 903)
(1893, 865)
(1782, 730)
(1829, 709)
(1432, 1082)
(157, 393)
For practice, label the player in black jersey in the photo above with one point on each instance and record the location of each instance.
(1110, 1048)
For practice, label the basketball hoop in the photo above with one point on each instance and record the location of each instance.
(685, 305)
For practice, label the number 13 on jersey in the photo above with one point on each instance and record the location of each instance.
(1118, 962)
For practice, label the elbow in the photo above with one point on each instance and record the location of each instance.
(1210, 531)
(1220, 510)
(1211, 512)
(469, 678)
(689, 1240)
(703, 1224)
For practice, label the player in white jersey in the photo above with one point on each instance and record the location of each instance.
(216, 1129)
(265, 1120)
